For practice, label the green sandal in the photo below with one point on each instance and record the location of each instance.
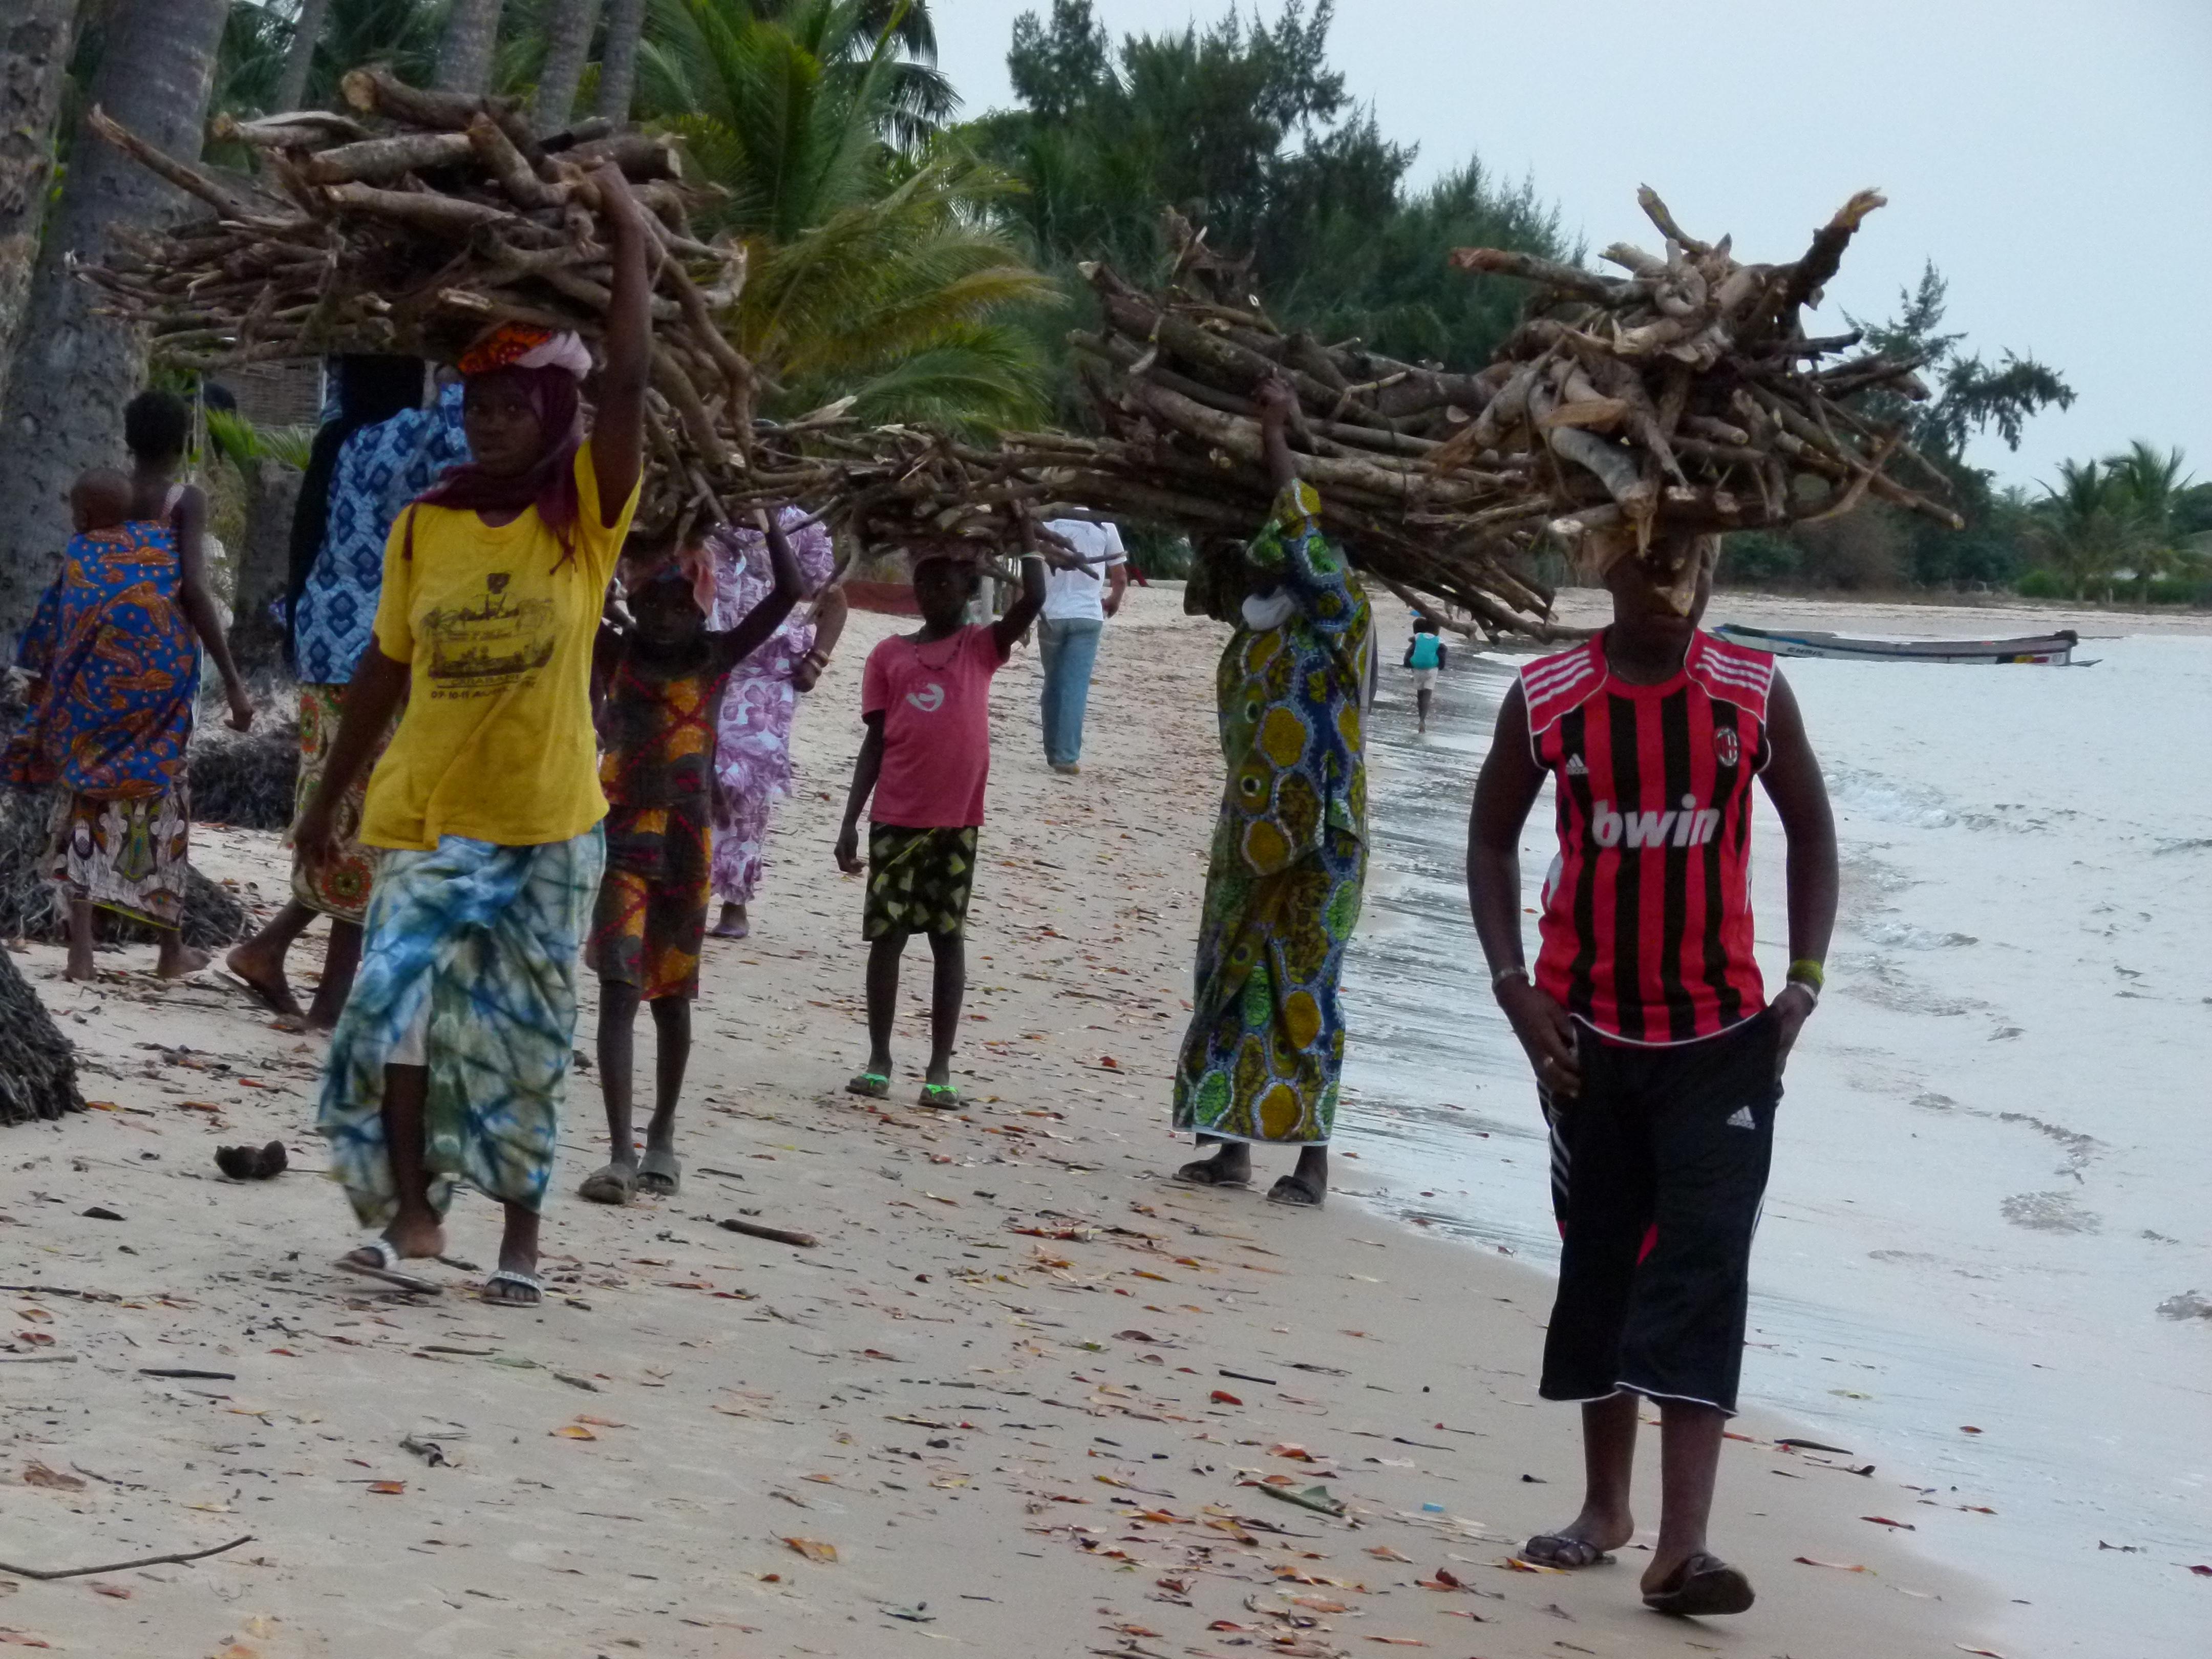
(873, 1085)
(941, 1097)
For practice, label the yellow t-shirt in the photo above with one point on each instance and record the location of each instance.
(496, 744)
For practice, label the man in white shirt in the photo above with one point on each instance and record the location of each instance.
(1077, 604)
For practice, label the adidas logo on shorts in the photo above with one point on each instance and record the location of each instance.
(1743, 1119)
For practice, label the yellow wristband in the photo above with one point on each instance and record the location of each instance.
(1807, 971)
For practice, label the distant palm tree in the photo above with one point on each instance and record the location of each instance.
(300, 53)
(38, 41)
(2149, 488)
(569, 29)
(2085, 528)
(618, 59)
(74, 368)
(465, 50)
(874, 270)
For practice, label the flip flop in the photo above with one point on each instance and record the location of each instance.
(529, 1282)
(383, 1269)
(940, 1097)
(1703, 1586)
(612, 1185)
(876, 1086)
(1204, 1172)
(1294, 1194)
(1563, 1551)
(661, 1174)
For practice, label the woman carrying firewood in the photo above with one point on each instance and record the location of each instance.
(450, 1061)
(1266, 1045)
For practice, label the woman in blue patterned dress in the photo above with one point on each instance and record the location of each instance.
(1261, 1060)
(379, 449)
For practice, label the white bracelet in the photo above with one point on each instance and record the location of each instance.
(1517, 971)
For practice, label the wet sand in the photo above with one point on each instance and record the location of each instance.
(1019, 1387)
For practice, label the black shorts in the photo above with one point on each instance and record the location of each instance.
(1658, 1169)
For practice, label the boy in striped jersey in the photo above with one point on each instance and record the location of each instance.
(1658, 1057)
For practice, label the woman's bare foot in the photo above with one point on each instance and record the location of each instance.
(262, 972)
(178, 960)
(732, 923)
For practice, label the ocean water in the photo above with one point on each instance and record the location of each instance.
(1991, 1206)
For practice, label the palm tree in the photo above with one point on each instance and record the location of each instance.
(2084, 526)
(300, 52)
(465, 53)
(618, 59)
(568, 44)
(76, 369)
(874, 270)
(2149, 487)
(38, 41)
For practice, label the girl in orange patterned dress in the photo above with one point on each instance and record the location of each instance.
(663, 678)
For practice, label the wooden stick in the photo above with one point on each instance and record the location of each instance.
(125, 1567)
(776, 1235)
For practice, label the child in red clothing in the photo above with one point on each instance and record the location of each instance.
(663, 678)
(926, 698)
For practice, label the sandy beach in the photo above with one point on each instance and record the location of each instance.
(1025, 1397)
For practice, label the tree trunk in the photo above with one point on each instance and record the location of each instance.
(465, 53)
(34, 49)
(75, 370)
(567, 46)
(618, 59)
(299, 56)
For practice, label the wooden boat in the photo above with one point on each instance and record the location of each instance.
(2049, 650)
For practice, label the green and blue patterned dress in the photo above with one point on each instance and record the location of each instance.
(1265, 1049)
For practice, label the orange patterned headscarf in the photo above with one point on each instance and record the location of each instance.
(525, 345)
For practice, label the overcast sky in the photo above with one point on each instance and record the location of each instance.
(2054, 158)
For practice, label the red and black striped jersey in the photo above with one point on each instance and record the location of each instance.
(1646, 927)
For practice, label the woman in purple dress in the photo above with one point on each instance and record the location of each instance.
(752, 749)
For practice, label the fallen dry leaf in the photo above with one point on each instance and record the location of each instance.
(1840, 1566)
(813, 1549)
(574, 1432)
(17, 1638)
(388, 1488)
(603, 1422)
(1223, 1397)
(1385, 1552)
(1884, 1521)
(1986, 1653)
(36, 1474)
(115, 1590)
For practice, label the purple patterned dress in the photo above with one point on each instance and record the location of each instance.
(752, 749)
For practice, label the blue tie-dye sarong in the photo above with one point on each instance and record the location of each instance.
(486, 938)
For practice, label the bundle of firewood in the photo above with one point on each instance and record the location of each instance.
(419, 223)
(1622, 412)
(1682, 400)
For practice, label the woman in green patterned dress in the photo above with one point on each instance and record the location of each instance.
(1262, 1060)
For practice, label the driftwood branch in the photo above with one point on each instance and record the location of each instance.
(123, 1566)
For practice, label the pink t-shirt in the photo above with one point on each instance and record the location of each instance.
(935, 700)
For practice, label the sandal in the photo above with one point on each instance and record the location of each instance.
(529, 1282)
(384, 1268)
(940, 1097)
(661, 1174)
(612, 1185)
(876, 1086)
(1562, 1550)
(1295, 1193)
(1207, 1172)
(1702, 1586)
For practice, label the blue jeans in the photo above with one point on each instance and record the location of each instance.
(1068, 649)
